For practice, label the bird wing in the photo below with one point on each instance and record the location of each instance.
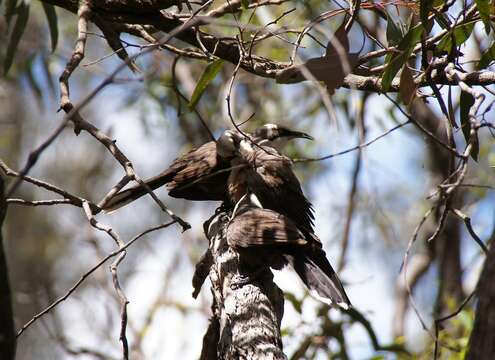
(197, 177)
(189, 176)
(263, 227)
(283, 193)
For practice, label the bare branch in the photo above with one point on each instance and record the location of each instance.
(467, 221)
(75, 200)
(360, 146)
(88, 273)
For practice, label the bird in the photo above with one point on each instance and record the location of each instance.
(262, 170)
(202, 173)
(265, 238)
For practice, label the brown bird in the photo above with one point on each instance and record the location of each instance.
(202, 173)
(262, 170)
(265, 238)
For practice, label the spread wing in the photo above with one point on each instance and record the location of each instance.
(263, 227)
(278, 188)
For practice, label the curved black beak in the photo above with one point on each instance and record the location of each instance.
(298, 134)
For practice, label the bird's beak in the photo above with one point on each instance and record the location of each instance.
(300, 135)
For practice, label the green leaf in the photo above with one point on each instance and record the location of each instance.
(51, 16)
(459, 35)
(465, 103)
(245, 4)
(487, 57)
(19, 27)
(396, 60)
(211, 71)
(10, 6)
(394, 33)
(484, 11)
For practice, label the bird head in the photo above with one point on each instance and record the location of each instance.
(227, 144)
(277, 136)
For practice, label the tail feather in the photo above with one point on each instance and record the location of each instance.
(320, 279)
(127, 196)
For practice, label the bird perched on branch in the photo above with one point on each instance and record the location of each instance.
(265, 238)
(263, 171)
(202, 173)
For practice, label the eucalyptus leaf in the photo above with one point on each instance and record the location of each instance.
(396, 60)
(51, 16)
(466, 101)
(487, 57)
(211, 71)
(459, 35)
(394, 33)
(483, 7)
(19, 27)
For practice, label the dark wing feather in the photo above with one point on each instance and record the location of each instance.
(189, 177)
(283, 193)
(199, 176)
(315, 271)
(263, 227)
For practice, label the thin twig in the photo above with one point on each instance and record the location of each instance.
(75, 200)
(447, 317)
(113, 268)
(39, 202)
(467, 221)
(88, 273)
(360, 146)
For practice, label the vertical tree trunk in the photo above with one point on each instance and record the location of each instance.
(7, 332)
(447, 246)
(482, 341)
(446, 249)
(246, 313)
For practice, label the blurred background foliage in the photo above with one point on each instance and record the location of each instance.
(148, 114)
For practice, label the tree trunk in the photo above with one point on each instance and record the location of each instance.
(447, 246)
(247, 312)
(482, 341)
(7, 332)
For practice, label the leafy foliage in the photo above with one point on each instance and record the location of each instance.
(19, 27)
(211, 71)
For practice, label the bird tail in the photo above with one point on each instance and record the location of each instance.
(127, 196)
(319, 277)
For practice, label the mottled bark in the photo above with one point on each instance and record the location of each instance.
(7, 332)
(482, 341)
(247, 312)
